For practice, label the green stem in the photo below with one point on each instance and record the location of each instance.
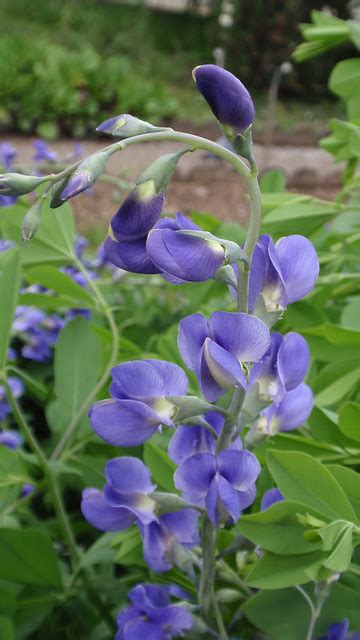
(66, 437)
(208, 542)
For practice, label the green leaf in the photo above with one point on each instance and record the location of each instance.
(277, 572)
(303, 479)
(27, 556)
(293, 442)
(278, 528)
(345, 78)
(350, 316)
(12, 476)
(44, 301)
(335, 381)
(273, 181)
(130, 551)
(262, 611)
(55, 280)
(349, 420)
(161, 467)
(54, 241)
(9, 290)
(7, 631)
(77, 368)
(339, 560)
(349, 481)
(307, 216)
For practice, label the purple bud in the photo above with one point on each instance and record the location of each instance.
(227, 97)
(126, 126)
(27, 489)
(10, 439)
(80, 181)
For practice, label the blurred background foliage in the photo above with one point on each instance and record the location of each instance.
(67, 65)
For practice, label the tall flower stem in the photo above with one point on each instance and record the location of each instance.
(107, 312)
(57, 501)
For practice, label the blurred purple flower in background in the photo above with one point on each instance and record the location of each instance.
(17, 389)
(42, 153)
(10, 439)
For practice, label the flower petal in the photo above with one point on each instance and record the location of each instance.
(128, 475)
(130, 256)
(293, 360)
(184, 525)
(240, 468)
(299, 266)
(295, 408)
(223, 366)
(137, 214)
(192, 333)
(270, 497)
(187, 441)
(210, 389)
(137, 379)
(185, 257)
(123, 422)
(174, 379)
(141, 629)
(246, 337)
(155, 547)
(229, 498)
(194, 475)
(101, 516)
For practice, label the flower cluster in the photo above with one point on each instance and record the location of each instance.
(231, 353)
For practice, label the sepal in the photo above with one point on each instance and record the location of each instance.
(17, 184)
(162, 170)
(190, 406)
(233, 251)
(127, 126)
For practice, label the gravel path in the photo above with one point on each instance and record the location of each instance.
(201, 182)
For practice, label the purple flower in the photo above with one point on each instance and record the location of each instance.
(189, 440)
(216, 348)
(17, 390)
(283, 367)
(38, 331)
(130, 256)
(42, 152)
(223, 484)
(270, 497)
(227, 97)
(183, 258)
(80, 181)
(282, 273)
(293, 410)
(125, 498)
(6, 244)
(162, 538)
(138, 406)
(151, 616)
(10, 439)
(7, 201)
(7, 154)
(138, 213)
(27, 489)
(337, 631)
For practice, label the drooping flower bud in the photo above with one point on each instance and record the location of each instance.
(162, 170)
(17, 184)
(31, 221)
(126, 126)
(86, 174)
(227, 97)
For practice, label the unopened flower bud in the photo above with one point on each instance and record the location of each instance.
(227, 97)
(126, 126)
(17, 184)
(86, 174)
(162, 170)
(31, 221)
